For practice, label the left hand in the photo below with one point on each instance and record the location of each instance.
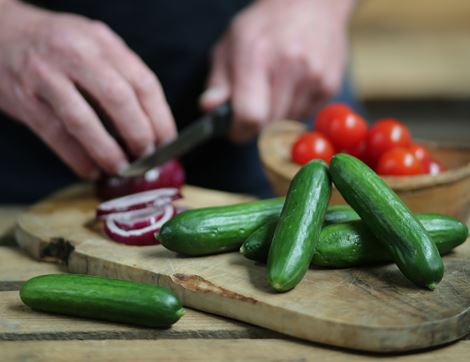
(279, 59)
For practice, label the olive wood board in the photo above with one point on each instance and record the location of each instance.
(371, 309)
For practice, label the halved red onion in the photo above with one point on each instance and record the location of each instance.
(141, 200)
(138, 219)
(143, 236)
(170, 174)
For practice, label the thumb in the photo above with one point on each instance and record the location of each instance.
(218, 84)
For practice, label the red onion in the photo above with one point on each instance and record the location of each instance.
(170, 174)
(138, 219)
(142, 236)
(158, 197)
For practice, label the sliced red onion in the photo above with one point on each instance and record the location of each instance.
(170, 174)
(138, 219)
(158, 197)
(143, 236)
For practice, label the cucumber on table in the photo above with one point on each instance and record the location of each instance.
(351, 244)
(389, 219)
(102, 298)
(299, 226)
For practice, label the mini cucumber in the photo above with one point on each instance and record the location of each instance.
(256, 246)
(216, 229)
(102, 298)
(299, 226)
(351, 244)
(389, 219)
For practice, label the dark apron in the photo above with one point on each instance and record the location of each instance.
(174, 38)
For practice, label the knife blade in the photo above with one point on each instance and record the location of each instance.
(213, 124)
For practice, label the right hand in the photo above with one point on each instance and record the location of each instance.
(47, 59)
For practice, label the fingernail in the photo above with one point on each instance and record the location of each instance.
(123, 166)
(213, 94)
(148, 150)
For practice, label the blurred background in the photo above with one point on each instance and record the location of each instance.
(411, 60)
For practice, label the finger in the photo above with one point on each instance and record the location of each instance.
(251, 96)
(81, 121)
(304, 101)
(283, 84)
(144, 82)
(118, 99)
(218, 84)
(52, 131)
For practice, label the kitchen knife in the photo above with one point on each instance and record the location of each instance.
(213, 124)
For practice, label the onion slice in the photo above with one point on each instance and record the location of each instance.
(141, 200)
(138, 219)
(141, 236)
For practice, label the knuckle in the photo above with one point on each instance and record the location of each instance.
(116, 93)
(100, 28)
(73, 118)
(146, 83)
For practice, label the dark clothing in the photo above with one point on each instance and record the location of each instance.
(174, 38)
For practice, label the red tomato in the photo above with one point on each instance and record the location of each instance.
(327, 114)
(421, 153)
(399, 161)
(358, 151)
(433, 167)
(312, 145)
(347, 130)
(385, 135)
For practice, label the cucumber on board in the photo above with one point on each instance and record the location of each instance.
(102, 298)
(351, 244)
(212, 230)
(389, 219)
(298, 230)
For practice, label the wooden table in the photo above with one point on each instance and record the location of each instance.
(30, 336)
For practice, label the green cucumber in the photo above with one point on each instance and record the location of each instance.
(102, 298)
(299, 226)
(389, 219)
(256, 246)
(352, 244)
(340, 213)
(218, 229)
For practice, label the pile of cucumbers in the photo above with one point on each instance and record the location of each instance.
(292, 233)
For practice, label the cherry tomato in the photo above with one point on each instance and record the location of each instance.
(421, 153)
(347, 130)
(399, 161)
(433, 167)
(358, 151)
(385, 135)
(312, 145)
(328, 113)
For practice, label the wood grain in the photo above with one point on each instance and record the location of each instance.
(373, 309)
(245, 350)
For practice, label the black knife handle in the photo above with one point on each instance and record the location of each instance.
(222, 116)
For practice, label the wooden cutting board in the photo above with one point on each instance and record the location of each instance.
(372, 309)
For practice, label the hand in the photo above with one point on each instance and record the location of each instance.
(279, 59)
(48, 60)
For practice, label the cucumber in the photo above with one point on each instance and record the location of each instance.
(216, 229)
(102, 298)
(340, 213)
(389, 219)
(256, 246)
(352, 244)
(299, 226)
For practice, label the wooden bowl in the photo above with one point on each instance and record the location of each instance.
(445, 193)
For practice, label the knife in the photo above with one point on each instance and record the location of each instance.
(213, 124)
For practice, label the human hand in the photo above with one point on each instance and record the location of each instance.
(279, 59)
(48, 60)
